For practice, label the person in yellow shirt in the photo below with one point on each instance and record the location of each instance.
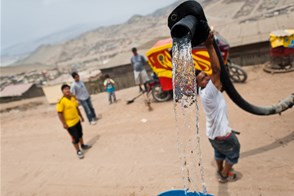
(71, 117)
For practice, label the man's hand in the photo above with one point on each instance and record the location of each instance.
(65, 126)
(80, 115)
(61, 118)
(209, 40)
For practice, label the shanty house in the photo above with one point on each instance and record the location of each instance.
(52, 89)
(120, 69)
(20, 91)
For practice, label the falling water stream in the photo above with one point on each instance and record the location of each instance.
(185, 110)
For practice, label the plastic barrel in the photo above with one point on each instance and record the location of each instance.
(182, 193)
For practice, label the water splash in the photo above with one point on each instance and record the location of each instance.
(185, 109)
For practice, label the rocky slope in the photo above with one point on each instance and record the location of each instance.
(228, 16)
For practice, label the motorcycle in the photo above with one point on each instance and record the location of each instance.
(158, 94)
(236, 73)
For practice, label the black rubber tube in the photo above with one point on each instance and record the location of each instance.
(242, 103)
(189, 18)
(186, 26)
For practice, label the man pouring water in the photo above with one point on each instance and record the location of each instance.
(223, 140)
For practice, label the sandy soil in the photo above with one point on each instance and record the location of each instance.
(134, 151)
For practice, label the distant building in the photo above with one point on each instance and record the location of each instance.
(53, 92)
(120, 69)
(20, 91)
(52, 89)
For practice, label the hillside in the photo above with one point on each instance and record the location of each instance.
(241, 22)
(105, 42)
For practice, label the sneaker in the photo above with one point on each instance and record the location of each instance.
(230, 178)
(93, 122)
(80, 154)
(220, 178)
(85, 147)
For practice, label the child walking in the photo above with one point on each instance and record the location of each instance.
(109, 86)
(71, 118)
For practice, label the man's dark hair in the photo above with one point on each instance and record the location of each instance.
(197, 72)
(134, 49)
(106, 76)
(64, 86)
(74, 74)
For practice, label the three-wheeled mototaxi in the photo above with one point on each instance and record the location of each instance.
(160, 60)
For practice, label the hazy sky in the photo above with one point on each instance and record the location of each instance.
(25, 20)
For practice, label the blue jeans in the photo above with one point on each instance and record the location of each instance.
(110, 95)
(89, 110)
(228, 149)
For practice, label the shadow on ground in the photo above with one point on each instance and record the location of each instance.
(92, 142)
(278, 143)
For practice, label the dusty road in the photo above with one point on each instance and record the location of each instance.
(134, 151)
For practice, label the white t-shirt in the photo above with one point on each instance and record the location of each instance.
(215, 107)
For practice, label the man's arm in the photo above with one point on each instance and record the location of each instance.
(61, 118)
(112, 81)
(114, 84)
(79, 112)
(144, 60)
(73, 89)
(215, 64)
(132, 63)
(104, 84)
(73, 92)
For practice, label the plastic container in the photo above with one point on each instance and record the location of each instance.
(182, 193)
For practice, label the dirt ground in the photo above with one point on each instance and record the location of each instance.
(134, 151)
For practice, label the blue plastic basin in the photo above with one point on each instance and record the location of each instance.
(181, 193)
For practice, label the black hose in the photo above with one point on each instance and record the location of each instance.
(186, 26)
(242, 103)
(189, 19)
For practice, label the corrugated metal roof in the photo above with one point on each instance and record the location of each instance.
(15, 90)
(53, 93)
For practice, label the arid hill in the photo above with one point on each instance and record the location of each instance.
(241, 22)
